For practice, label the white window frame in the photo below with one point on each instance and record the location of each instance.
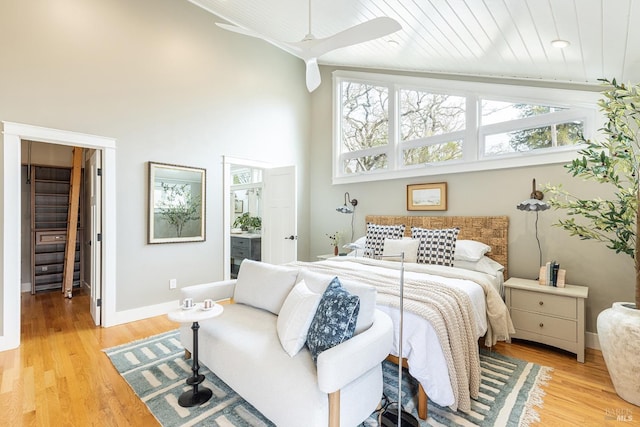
(582, 106)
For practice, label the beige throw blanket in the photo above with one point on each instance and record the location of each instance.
(446, 308)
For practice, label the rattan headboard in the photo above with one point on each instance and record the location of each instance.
(491, 230)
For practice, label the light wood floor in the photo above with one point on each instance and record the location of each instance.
(60, 377)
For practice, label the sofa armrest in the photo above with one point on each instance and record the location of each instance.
(215, 290)
(340, 365)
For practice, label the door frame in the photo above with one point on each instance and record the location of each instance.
(10, 216)
(227, 161)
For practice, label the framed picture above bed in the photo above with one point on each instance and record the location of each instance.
(427, 197)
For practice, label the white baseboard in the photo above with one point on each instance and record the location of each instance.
(591, 340)
(126, 316)
(25, 287)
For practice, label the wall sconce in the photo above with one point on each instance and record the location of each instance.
(346, 209)
(535, 204)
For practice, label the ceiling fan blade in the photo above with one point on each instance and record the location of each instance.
(294, 50)
(369, 30)
(313, 74)
(240, 30)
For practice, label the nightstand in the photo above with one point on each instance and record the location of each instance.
(548, 315)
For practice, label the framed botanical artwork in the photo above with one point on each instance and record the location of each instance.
(238, 206)
(176, 203)
(427, 197)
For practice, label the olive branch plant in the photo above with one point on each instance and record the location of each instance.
(614, 160)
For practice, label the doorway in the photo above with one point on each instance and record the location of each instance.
(13, 135)
(277, 210)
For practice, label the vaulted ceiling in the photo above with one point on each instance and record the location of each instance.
(495, 38)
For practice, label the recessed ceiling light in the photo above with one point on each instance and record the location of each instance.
(559, 43)
(393, 43)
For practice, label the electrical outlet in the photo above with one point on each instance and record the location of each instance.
(173, 283)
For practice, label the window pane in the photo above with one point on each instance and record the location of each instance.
(498, 111)
(365, 118)
(433, 153)
(424, 114)
(244, 175)
(366, 163)
(533, 139)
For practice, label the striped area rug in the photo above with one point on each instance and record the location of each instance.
(156, 370)
(510, 390)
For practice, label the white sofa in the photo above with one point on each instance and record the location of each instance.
(244, 347)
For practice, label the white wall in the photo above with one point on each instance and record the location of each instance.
(169, 86)
(609, 276)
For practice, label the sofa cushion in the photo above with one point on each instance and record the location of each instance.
(295, 317)
(264, 285)
(318, 282)
(335, 319)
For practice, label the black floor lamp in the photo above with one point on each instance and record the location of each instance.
(393, 415)
(534, 204)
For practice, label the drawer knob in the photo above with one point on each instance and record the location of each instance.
(541, 324)
(541, 302)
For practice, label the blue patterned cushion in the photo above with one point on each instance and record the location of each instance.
(437, 246)
(335, 319)
(374, 243)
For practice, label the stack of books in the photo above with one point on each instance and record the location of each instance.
(552, 275)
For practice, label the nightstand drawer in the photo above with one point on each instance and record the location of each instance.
(562, 329)
(556, 305)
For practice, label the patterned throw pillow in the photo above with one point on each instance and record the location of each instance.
(437, 246)
(335, 319)
(374, 243)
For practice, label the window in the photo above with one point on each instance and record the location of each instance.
(431, 126)
(389, 126)
(364, 127)
(508, 127)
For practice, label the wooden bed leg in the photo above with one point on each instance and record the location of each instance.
(187, 354)
(422, 403)
(422, 395)
(334, 409)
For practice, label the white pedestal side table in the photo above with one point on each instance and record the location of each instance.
(197, 395)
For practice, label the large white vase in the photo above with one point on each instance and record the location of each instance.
(619, 335)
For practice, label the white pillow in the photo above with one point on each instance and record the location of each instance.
(484, 265)
(396, 246)
(470, 250)
(295, 317)
(264, 285)
(318, 282)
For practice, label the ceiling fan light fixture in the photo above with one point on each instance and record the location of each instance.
(559, 43)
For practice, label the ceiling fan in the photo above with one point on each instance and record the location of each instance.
(310, 48)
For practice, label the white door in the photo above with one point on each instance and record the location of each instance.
(279, 227)
(95, 231)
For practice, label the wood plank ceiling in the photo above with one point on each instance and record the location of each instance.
(495, 38)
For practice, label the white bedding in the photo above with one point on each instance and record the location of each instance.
(420, 343)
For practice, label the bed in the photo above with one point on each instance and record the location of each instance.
(451, 305)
